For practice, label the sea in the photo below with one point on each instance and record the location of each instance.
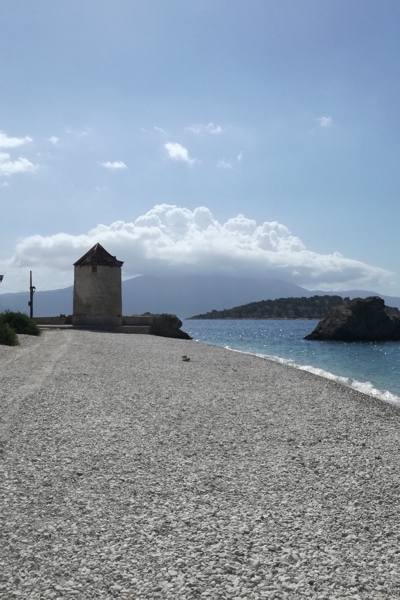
(371, 368)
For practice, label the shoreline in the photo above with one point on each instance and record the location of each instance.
(256, 319)
(373, 383)
(359, 386)
(130, 473)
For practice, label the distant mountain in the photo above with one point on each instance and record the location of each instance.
(190, 295)
(184, 296)
(45, 304)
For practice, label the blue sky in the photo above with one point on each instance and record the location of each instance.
(149, 126)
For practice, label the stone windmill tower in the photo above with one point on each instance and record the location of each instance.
(97, 290)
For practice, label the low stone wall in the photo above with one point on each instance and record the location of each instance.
(164, 325)
(138, 319)
(61, 320)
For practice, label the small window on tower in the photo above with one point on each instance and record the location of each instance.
(94, 268)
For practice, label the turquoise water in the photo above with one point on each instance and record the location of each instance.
(372, 368)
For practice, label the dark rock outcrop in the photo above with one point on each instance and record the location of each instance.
(168, 326)
(360, 320)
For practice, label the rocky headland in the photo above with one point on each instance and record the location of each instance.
(167, 325)
(315, 307)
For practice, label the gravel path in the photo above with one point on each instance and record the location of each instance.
(129, 473)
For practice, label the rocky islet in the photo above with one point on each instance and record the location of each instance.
(360, 320)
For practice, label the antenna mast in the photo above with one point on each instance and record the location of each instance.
(32, 290)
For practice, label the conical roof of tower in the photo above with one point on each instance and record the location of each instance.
(99, 256)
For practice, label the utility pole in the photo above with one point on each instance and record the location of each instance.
(32, 290)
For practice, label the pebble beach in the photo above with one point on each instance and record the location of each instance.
(130, 473)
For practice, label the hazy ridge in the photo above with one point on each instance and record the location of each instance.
(184, 296)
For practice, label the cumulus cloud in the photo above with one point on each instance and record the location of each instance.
(54, 140)
(172, 240)
(176, 151)
(118, 164)
(210, 128)
(12, 142)
(223, 164)
(325, 121)
(78, 134)
(10, 167)
(160, 129)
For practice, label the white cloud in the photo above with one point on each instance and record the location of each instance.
(10, 167)
(325, 121)
(54, 140)
(178, 152)
(118, 164)
(170, 240)
(223, 164)
(240, 156)
(210, 128)
(78, 134)
(12, 142)
(160, 129)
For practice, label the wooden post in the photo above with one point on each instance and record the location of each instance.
(31, 292)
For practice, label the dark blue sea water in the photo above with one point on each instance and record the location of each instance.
(372, 368)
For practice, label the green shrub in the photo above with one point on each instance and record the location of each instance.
(8, 337)
(20, 322)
